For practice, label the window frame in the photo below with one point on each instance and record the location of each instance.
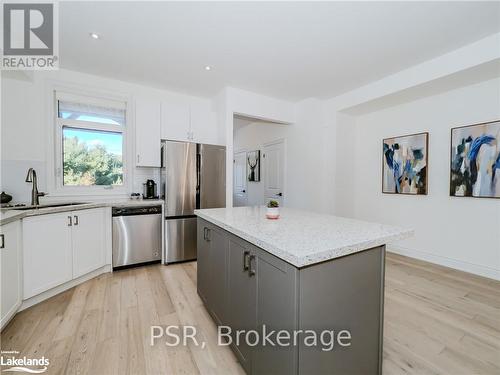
(55, 181)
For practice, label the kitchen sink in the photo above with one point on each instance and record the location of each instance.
(47, 206)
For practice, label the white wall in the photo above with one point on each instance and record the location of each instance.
(24, 135)
(463, 233)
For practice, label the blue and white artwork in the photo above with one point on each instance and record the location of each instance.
(405, 164)
(475, 161)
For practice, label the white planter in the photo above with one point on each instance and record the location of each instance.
(272, 212)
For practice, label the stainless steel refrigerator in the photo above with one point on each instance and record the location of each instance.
(192, 176)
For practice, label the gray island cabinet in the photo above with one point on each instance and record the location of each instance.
(304, 273)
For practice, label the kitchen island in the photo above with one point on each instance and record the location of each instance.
(305, 274)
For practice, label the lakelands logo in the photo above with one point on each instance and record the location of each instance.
(29, 36)
(23, 364)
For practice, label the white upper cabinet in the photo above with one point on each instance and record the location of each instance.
(204, 125)
(147, 132)
(188, 122)
(175, 121)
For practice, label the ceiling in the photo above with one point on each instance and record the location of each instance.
(290, 50)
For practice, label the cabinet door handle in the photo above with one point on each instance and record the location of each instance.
(208, 234)
(251, 271)
(246, 260)
(76, 220)
(70, 221)
(2, 241)
(205, 233)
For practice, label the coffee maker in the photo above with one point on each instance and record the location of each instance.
(149, 190)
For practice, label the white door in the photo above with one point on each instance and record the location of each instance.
(240, 194)
(175, 121)
(274, 171)
(47, 253)
(147, 132)
(88, 241)
(10, 259)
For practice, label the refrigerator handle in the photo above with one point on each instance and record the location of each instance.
(162, 155)
(198, 172)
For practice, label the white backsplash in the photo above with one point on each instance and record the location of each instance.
(13, 178)
(142, 174)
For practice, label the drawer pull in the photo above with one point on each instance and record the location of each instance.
(246, 260)
(251, 271)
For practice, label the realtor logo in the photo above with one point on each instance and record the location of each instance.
(29, 36)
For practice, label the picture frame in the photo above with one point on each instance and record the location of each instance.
(412, 150)
(459, 184)
(253, 166)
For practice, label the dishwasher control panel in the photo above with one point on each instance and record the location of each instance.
(143, 210)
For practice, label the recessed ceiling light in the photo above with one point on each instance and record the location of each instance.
(208, 67)
(95, 36)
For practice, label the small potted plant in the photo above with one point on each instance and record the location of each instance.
(273, 210)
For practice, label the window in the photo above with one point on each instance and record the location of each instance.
(92, 157)
(90, 143)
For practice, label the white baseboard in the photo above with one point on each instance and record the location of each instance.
(61, 288)
(476, 269)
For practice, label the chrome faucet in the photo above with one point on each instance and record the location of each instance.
(31, 177)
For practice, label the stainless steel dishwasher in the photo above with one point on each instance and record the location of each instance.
(136, 235)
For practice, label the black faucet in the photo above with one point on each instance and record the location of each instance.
(31, 177)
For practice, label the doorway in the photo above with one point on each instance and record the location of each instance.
(259, 161)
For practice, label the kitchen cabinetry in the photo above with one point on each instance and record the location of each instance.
(246, 289)
(47, 252)
(87, 241)
(188, 123)
(204, 125)
(61, 247)
(261, 290)
(241, 297)
(147, 132)
(212, 255)
(10, 259)
(175, 121)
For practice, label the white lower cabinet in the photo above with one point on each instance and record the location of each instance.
(61, 247)
(10, 259)
(47, 252)
(88, 241)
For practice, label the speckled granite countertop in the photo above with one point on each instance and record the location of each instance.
(301, 237)
(8, 215)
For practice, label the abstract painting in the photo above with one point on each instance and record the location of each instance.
(475, 161)
(253, 163)
(405, 164)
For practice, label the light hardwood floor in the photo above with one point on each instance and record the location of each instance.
(437, 321)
